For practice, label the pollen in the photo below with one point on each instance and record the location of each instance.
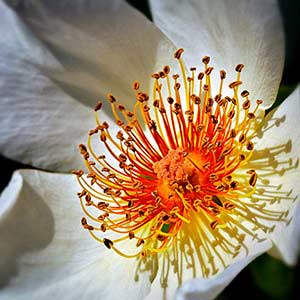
(175, 176)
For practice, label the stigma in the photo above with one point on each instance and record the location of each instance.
(176, 176)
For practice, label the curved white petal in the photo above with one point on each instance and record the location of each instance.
(276, 160)
(45, 253)
(56, 60)
(230, 32)
(101, 46)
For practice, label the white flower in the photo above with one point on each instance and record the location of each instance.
(57, 58)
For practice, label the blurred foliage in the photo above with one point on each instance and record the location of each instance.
(266, 278)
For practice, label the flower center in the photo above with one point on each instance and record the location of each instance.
(183, 180)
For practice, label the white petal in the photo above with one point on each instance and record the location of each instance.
(231, 32)
(45, 253)
(102, 46)
(87, 50)
(277, 147)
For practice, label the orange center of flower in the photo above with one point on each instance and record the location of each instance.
(178, 178)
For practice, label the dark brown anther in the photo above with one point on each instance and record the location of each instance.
(197, 100)
(200, 76)
(233, 184)
(246, 104)
(178, 53)
(229, 205)
(102, 137)
(205, 87)
(208, 70)
(210, 102)
(105, 125)
(177, 86)
(175, 76)
(142, 97)
(136, 85)
(233, 133)
(231, 114)
(239, 67)
(131, 235)
(103, 227)
(108, 243)
(129, 114)
(140, 242)
(166, 70)
(165, 218)
(82, 149)
(120, 107)
(242, 157)
(235, 84)
(242, 138)
(177, 106)
(206, 60)
(251, 116)
(214, 224)
(122, 157)
(222, 74)
(98, 106)
(259, 102)
(218, 98)
(146, 108)
(170, 100)
(245, 93)
(155, 75)
(111, 98)
(78, 173)
(93, 131)
(193, 69)
(162, 74)
(83, 221)
(162, 110)
(253, 179)
(249, 146)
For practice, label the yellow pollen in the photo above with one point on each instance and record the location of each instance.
(182, 185)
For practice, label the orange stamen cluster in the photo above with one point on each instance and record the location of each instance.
(176, 171)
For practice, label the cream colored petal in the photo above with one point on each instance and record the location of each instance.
(230, 32)
(45, 252)
(276, 160)
(101, 46)
(56, 62)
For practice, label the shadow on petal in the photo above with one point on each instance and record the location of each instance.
(28, 226)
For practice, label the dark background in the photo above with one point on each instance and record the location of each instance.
(266, 278)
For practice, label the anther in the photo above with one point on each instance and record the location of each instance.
(136, 85)
(200, 76)
(246, 104)
(140, 242)
(178, 53)
(239, 67)
(222, 74)
(98, 106)
(206, 60)
(235, 84)
(253, 179)
(208, 70)
(166, 69)
(108, 243)
(111, 98)
(245, 93)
